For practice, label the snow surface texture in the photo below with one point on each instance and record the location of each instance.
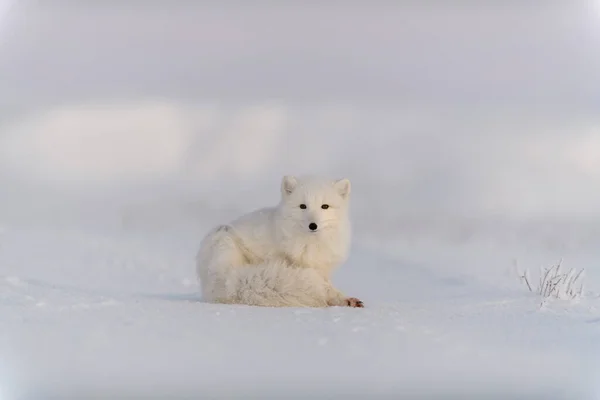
(106, 191)
(118, 312)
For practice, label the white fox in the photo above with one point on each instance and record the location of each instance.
(281, 256)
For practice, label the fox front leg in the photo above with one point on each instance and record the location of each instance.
(337, 298)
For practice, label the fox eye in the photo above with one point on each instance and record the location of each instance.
(303, 206)
(325, 206)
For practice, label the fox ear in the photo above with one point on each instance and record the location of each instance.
(343, 187)
(288, 184)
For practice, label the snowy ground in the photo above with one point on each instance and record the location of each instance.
(113, 308)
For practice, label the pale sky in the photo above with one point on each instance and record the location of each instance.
(537, 54)
(457, 107)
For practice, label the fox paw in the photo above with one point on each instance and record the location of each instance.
(354, 302)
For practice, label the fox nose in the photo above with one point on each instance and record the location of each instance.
(312, 226)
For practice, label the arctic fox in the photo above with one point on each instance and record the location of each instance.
(281, 256)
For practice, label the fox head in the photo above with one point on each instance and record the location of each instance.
(315, 206)
(312, 221)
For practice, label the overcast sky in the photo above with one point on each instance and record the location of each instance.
(457, 106)
(515, 54)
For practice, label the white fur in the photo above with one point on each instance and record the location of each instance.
(270, 257)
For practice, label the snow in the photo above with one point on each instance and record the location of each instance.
(116, 310)
(107, 188)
